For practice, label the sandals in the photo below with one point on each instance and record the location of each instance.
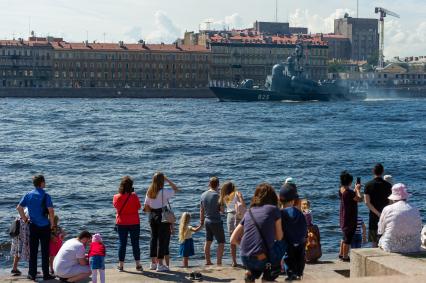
(120, 268)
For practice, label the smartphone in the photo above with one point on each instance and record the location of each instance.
(358, 180)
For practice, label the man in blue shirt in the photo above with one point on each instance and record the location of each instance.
(40, 207)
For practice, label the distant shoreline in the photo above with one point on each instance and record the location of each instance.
(198, 93)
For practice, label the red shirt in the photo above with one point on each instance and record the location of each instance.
(129, 215)
(96, 248)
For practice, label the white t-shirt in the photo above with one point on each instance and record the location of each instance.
(157, 203)
(68, 256)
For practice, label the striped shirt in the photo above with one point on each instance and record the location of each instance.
(359, 223)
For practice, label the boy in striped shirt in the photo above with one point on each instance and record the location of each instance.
(360, 236)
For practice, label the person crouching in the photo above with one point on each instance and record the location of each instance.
(295, 231)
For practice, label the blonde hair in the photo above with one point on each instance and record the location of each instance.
(228, 188)
(183, 225)
(156, 185)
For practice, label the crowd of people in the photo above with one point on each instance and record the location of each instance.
(275, 233)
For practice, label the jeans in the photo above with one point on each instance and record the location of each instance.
(295, 259)
(255, 266)
(356, 241)
(160, 239)
(123, 231)
(42, 235)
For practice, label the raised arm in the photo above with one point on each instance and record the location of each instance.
(241, 199)
(173, 185)
(358, 196)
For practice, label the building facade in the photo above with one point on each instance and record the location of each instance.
(234, 58)
(339, 47)
(363, 36)
(54, 63)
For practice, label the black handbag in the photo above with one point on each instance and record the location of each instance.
(15, 228)
(119, 212)
(273, 266)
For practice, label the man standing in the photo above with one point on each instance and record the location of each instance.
(376, 196)
(210, 216)
(39, 206)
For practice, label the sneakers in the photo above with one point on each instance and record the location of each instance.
(162, 268)
(152, 266)
(15, 272)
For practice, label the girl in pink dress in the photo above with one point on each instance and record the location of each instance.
(56, 239)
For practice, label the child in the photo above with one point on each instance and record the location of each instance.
(97, 258)
(306, 209)
(295, 231)
(360, 234)
(56, 238)
(185, 238)
(20, 247)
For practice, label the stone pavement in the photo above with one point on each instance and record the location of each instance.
(323, 270)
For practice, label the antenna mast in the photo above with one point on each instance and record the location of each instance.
(357, 8)
(276, 10)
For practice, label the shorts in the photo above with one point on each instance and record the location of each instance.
(372, 235)
(97, 262)
(72, 271)
(231, 221)
(348, 235)
(255, 266)
(215, 230)
(356, 241)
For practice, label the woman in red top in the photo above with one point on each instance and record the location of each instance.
(127, 205)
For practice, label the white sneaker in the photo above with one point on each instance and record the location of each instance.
(162, 268)
(152, 266)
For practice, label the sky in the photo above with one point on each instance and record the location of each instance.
(165, 20)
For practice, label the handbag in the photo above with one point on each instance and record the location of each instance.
(119, 212)
(167, 215)
(273, 265)
(15, 228)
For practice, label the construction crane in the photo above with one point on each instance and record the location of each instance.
(383, 13)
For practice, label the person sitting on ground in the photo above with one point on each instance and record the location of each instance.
(348, 212)
(210, 216)
(56, 238)
(376, 195)
(265, 212)
(295, 230)
(400, 224)
(186, 248)
(360, 236)
(232, 200)
(71, 264)
(20, 246)
(307, 212)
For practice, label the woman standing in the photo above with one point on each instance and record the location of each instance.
(265, 214)
(348, 212)
(127, 205)
(235, 207)
(156, 201)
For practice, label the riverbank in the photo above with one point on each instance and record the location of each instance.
(107, 92)
(324, 270)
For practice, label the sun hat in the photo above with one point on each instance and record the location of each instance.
(97, 238)
(388, 178)
(399, 192)
(288, 192)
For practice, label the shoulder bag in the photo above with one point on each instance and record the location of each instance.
(167, 215)
(121, 209)
(273, 266)
(15, 228)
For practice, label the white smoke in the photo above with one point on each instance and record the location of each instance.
(166, 31)
(234, 21)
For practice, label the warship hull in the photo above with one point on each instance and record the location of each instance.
(242, 94)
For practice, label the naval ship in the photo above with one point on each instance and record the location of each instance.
(288, 83)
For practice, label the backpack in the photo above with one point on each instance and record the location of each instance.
(313, 245)
(15, 228)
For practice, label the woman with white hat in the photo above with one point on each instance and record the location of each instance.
(400, 224)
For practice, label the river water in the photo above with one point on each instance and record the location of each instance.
(84, 146)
